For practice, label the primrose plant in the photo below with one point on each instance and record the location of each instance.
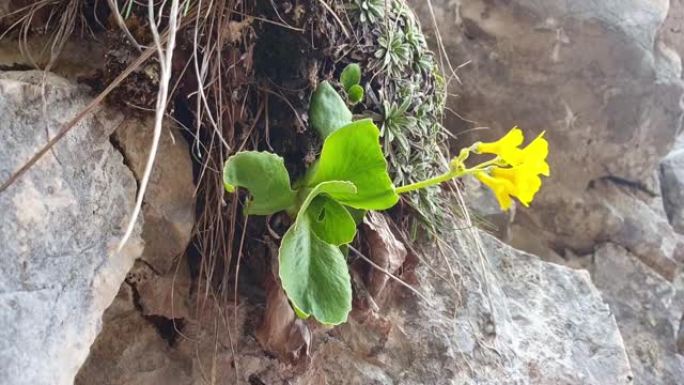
(349, 178)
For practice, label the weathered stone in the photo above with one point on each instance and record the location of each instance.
(616, 212)
(509, 318)
(131, 351)
(77, 59)
(648, 310)
(169, 209)
(672, 33)
(521, 321)
(672, 186)
(164, 296)
(137, 350)
(61, 224)
(592, 74)
(641, 230)
(680, 337)
(599, 78)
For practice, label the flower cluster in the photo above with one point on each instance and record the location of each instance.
(515, 172)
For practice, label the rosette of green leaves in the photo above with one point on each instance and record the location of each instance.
(351, 174)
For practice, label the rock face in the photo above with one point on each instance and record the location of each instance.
(519, 319)
(672, 31)
(143, 356)
(169, 209)
(594, 75)
(511, 318)
(631, 221)
(140, 327)
(648, 309)
(601, 80)
(61, 223)
(672, 185)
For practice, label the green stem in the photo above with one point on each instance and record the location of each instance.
(486, 164)
(445, 177)
(426, 183)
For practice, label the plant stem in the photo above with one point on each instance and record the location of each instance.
(445, 177)
(486, 164)
(426, 183)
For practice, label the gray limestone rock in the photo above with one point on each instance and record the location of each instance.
(672, 186)
(169, 209)
(60, 226)
(509, 318)
(648, 310)
(594, 75)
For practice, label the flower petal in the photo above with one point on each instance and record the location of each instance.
(499, 188)
(511, 140)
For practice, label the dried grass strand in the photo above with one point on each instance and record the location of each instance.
(166, 67)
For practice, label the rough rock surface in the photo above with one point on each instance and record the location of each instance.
(630, 221)
(61, 223)
(78, 58)
(648, 309)
(140, 326)
(592, 74)
(672, 32)
(169, 209)
(520, 320)
(672, 185)
(680, 337)
(601, 80)
(141, 354)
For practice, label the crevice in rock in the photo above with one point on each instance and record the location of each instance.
(255, 380)
(634, 185)
(114, 141)
(149, 265)
(16, 67)
(168, 328)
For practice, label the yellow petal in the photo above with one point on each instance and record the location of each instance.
(528, 188)
(511, 140)
(499, 188)
(535, 152)
(523, 178)
(538, 148)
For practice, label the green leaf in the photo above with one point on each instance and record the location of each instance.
(265, 177)
(327, 111)
(350, 76)
(331, 221)
(355, 94)
(332, 187)
(314, 275)
(357, 214)
(353, 154)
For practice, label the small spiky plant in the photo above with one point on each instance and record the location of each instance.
(406, 90)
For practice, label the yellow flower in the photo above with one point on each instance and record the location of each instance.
(518, 173)
(503, 189)
(533, 155)
(525, 180)
(503, 147)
